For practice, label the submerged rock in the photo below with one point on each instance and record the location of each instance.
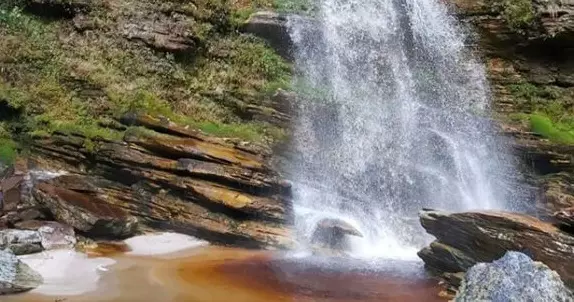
(515, 277)
(465, 239)
(331, 233)
(16, 276)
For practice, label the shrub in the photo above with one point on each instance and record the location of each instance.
(518, 14)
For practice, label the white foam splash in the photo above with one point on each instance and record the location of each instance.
(162, 243)
(390, 119)
(66, 272)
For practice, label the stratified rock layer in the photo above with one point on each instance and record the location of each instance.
(465, 239)
(169, 178)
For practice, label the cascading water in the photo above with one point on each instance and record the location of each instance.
(393, 117)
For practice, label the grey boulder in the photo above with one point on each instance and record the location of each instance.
(15, 275)
(514, 277)
(20, 242)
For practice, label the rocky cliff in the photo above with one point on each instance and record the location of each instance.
(527, 46)
(130, 116)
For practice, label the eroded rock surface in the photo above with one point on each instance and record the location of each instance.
(514, 277)
(16, 276)
(465, 239)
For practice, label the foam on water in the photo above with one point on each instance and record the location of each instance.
(66, 272)
(162, 243)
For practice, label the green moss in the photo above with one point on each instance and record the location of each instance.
(545, 109)
(558, 132)
(518, 14)
(90, 130)
(239, 62)
(293, 5)
(8, 150)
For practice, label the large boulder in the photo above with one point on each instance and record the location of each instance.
(515, 277)
(465, 239)
(16, 276)
(20, 242)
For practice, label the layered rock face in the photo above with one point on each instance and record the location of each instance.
(166, 177)
(465, 239)
(527, 47)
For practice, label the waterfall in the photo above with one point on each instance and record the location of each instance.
(393, 116)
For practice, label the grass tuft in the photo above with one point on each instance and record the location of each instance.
(557, 132)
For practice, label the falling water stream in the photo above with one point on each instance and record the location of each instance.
(393, 117)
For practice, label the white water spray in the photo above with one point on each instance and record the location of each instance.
(391, 120)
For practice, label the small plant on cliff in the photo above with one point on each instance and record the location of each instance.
(518, 14)
(558, 132)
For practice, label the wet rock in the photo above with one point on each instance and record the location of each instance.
(514, 277)
(85, 213)
(464, 239)
(103, 248)
(565, 217)
(16, 276)
(20, 242)
(56, 235)
(273, 28)
(331, 233)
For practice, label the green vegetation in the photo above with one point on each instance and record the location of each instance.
(8, 148)
(547, 110)
(64, 81)
(518, 14)
(243, 9)
(293, 5)
(558, 132)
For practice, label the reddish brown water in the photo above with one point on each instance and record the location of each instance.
(222, 274)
